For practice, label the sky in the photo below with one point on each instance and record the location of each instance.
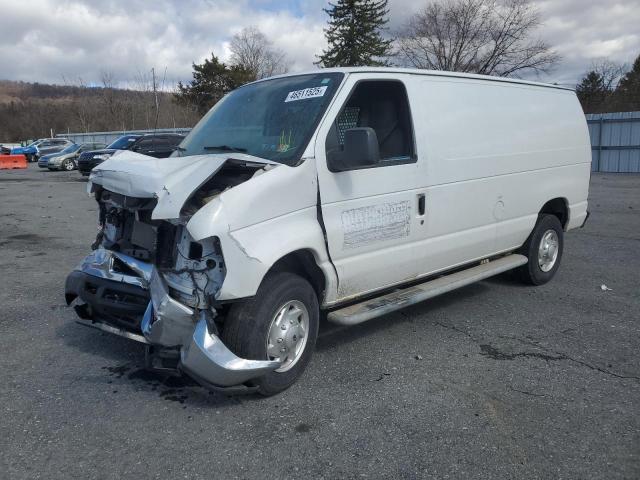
(63, 41)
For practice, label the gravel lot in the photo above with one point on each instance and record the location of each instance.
(496, 380)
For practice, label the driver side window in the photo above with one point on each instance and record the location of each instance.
(382, 106)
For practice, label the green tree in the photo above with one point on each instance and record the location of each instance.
(592, 92)
(354, 34)
(628, 91)
(211, 81)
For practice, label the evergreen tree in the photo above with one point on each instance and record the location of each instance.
(628, 91)
(211, 81)
(354, 34)
(592, 92)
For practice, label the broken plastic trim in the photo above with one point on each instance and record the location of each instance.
(105, 327)
(207, 359)
(203, 355)
(100, 263)
(166, 321)
(169, 323)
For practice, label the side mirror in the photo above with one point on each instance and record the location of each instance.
(360, 150)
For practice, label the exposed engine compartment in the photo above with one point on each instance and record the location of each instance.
(126, 226)
(143, 220)
(232, 173)
(194, 271)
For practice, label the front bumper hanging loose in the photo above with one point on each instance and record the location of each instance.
(168, 323)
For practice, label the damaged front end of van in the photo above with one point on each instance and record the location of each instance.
(186, 244)
(151, 276)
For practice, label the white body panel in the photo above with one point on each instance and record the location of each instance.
(490, 153)
(261, 221)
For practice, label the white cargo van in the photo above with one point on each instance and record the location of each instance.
(353, 191)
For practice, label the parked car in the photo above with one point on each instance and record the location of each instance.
(154, 145)
(39, 147)
(90, 159)
(357, 191)
(6, 148)
(52, 145)
(67, 158)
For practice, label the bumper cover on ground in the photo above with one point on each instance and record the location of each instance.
(165, 322)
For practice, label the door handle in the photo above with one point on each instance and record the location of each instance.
(421, 204)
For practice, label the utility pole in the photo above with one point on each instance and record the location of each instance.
(155, 88)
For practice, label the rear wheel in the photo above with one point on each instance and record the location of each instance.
(543, 248)
(279, 323)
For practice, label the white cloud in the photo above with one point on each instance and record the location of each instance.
(44, 40)
(583, 31)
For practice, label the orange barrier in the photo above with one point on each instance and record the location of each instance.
(12, 161)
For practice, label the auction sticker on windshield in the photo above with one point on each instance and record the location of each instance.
(305, 93)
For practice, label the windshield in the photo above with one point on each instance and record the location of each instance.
(123, 143)
(71, 148)
(272, 119)
(36, 143)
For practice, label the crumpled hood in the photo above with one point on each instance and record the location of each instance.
(171, 180)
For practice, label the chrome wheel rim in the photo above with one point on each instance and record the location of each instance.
(287, 335)
(68, 165)
(548, 250)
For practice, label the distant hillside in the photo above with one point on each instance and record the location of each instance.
(32, 110)
(19, 91)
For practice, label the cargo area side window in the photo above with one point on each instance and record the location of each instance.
(379, 105)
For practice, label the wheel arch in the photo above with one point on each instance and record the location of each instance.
(559, 207)
(303, 263)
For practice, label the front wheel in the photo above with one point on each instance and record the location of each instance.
(543, 248)
(279, 323)
(68, 165)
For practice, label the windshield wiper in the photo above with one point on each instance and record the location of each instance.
(226, 148)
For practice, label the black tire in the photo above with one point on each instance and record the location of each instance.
(532, 273)
(247, 324)
(68, 165)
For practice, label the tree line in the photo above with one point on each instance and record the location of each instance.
(474, 36)
(33, 110)
(610, 87)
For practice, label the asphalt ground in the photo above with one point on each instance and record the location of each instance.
(496, 380)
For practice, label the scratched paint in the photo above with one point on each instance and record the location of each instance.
(374, 223)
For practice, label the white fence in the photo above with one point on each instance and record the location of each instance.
(108, 137)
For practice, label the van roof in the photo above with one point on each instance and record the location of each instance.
(434, 73)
